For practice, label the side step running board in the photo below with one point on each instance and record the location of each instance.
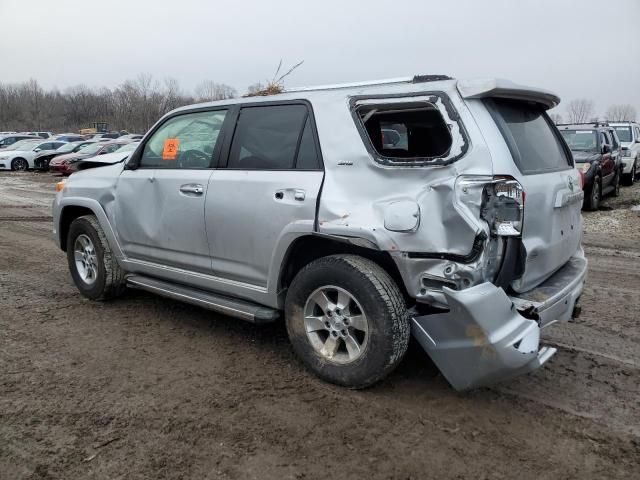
(233, 307)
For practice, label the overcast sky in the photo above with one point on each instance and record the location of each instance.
(577, 48)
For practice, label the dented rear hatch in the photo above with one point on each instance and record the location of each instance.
(527, 146)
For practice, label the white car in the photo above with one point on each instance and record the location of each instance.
(629, 134)
(20, 155)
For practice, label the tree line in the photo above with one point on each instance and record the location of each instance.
(582, 110)
(134, 105)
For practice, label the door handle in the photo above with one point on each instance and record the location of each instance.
(192, 188)
(299, 195)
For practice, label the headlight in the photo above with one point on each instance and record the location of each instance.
(583, 167)
(626, 152)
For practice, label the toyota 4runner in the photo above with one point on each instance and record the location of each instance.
(360, 213)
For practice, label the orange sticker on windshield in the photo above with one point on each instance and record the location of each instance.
(170, 151)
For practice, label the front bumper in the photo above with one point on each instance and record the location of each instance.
(484, 338)
(627, 164)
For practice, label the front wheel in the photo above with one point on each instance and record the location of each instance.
(347, 320)
(93, 267)
(19, 165)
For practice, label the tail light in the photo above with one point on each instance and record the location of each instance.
(503, 206)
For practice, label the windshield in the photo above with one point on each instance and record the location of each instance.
(24, 144)
(624, 133)
(91, 149)
(127, 148)
(581, 140)
(67, 148)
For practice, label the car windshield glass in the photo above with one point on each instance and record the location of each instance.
(580, 140)
(67, 148)
(624, 133)
(24, 145)
(128, 147)
(90, 149)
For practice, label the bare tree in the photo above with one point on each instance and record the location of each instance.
(209, 90)
(555, 118)
(621, 113)
(579, 110)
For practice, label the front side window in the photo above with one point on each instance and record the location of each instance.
(268, 137)
(185, 141)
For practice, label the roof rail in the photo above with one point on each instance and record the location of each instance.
(593, 124)
(370, 83)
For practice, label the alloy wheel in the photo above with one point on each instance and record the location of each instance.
(20, 165)
(86, 259)
(336, 325)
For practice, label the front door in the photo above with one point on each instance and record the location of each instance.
(268, 192)
(160, 198)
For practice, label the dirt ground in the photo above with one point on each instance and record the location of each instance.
(145, 387)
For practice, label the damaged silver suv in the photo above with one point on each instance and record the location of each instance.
(360, 213)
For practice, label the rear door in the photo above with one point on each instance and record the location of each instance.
(267, 193)
(159, 206)
(608, 161)
(537, 156)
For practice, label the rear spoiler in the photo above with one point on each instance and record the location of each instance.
(497, 87)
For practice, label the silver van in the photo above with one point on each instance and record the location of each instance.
(360, 213)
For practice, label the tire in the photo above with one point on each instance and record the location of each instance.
(103, 279)
(375, 303)
(630, 178)
(592, 202)
(616, 184)
(19, 164)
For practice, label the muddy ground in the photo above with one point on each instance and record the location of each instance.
(145, 387)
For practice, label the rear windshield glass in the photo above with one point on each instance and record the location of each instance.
(624, 133)
(406, 131)
(581, 140)
(530, 135)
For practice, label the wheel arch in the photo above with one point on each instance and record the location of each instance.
(307, 248)
(74, 208)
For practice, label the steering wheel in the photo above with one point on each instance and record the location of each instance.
(194, 158)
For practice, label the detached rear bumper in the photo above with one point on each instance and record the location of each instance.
(484, 338)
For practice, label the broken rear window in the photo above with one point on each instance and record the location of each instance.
(406, 132)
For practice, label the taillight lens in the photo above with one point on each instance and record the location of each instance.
(503, 206)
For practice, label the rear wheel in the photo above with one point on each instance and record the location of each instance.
(93, 267)
(593, 200)
(347, 320)
(19, 165)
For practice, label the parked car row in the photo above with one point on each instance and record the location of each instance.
(56, 155)
(607, 155)
(9, 138)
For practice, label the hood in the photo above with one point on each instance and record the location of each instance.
(626, 144)
(582, 157)
(42, 153)
(106, 159)
(13, 153)
(68, 156)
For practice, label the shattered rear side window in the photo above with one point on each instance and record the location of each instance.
(412, 132)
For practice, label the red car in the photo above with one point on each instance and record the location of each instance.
(67, 164)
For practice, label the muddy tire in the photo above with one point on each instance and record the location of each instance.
(630, 178)
(93, 267)
(347, 320)
(616, 184)
(592, 201)
(19, 165)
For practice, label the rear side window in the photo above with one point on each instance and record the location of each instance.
(532, 138)
(406, 131)
(272, 138)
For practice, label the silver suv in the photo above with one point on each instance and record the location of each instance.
(360, 213)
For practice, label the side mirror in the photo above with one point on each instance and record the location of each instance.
(606, 149)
